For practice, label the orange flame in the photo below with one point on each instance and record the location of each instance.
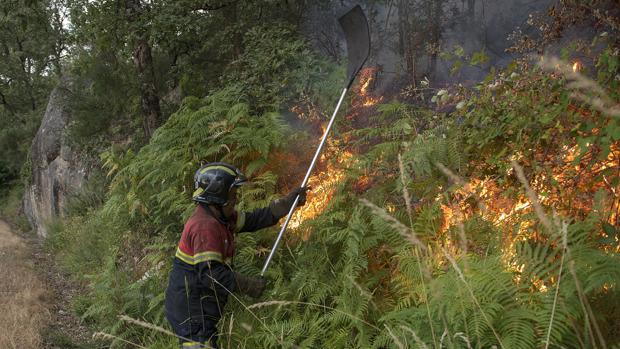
(367, 78)
(323, 186)
(569, 187)
(325, 182)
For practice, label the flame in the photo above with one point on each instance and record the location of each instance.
(362, 184)
(323, 184)
(363, 96)
(563, 190)
(325, 181)
(368, 77)
(568, 187)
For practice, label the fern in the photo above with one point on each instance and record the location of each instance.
(348, 278)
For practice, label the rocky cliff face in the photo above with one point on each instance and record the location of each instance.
(57, 170)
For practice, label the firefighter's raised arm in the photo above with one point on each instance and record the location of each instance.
(267, 216)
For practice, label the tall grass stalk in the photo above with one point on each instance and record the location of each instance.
(557, 286)
(591, 322)
(415, 336)
(103, 335)
(584, 89)
(405, 231)
(150, 326)
(230, 328)
(407, 198)
(397, 341)
(533, 197)
(459, 272)
(271, 303)
(464, 338)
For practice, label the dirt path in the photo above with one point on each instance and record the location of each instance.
(65, 330)
(23, 298)
(35, 298)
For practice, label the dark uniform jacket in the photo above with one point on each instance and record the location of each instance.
(201, 276)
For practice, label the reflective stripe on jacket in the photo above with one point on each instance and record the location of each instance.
(200, 282)
(206, 238)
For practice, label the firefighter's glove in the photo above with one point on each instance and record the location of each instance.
(252, 286)
(280, 207)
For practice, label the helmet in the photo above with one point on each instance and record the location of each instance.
(213, 182)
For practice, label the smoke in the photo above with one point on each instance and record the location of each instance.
(466, 27)
(487, 31)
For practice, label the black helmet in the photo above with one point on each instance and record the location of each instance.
(213, 182)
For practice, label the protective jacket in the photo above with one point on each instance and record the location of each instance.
(201, 276)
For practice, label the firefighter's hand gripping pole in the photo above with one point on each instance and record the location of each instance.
(355, 27)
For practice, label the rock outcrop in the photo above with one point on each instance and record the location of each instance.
(57, 171)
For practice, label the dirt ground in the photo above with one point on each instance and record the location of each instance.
(65, 330)
(35, 298)
(23, 296)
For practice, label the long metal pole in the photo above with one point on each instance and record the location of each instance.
(305, 182)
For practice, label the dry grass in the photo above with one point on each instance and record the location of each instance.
(407, 232)
(583, 88)
(22, 294)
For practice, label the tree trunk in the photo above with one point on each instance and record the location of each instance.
(471, 10)
(406, 36)
(237, 40)
(437, 12)
(143, 62)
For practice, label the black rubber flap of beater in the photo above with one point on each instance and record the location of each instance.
(355, 27)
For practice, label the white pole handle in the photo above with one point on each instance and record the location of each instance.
(304, 183)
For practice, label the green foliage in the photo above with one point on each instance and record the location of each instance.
(11, 206)
(15, 140)
(458, 58)
(147, 200)
(155, 183)
(29, 62)
(81, 243)
(356, 279)
(196, 50)
(370, 288)
(101, 100)
(277, 65)
(89, 197)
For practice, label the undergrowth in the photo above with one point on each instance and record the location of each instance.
(11, 209)
(495, 225)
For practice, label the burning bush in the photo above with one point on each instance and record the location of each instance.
(494, 225)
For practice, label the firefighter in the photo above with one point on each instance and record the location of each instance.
(202, 274)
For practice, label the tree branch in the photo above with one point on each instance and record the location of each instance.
(209, 7)
(6, 105)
